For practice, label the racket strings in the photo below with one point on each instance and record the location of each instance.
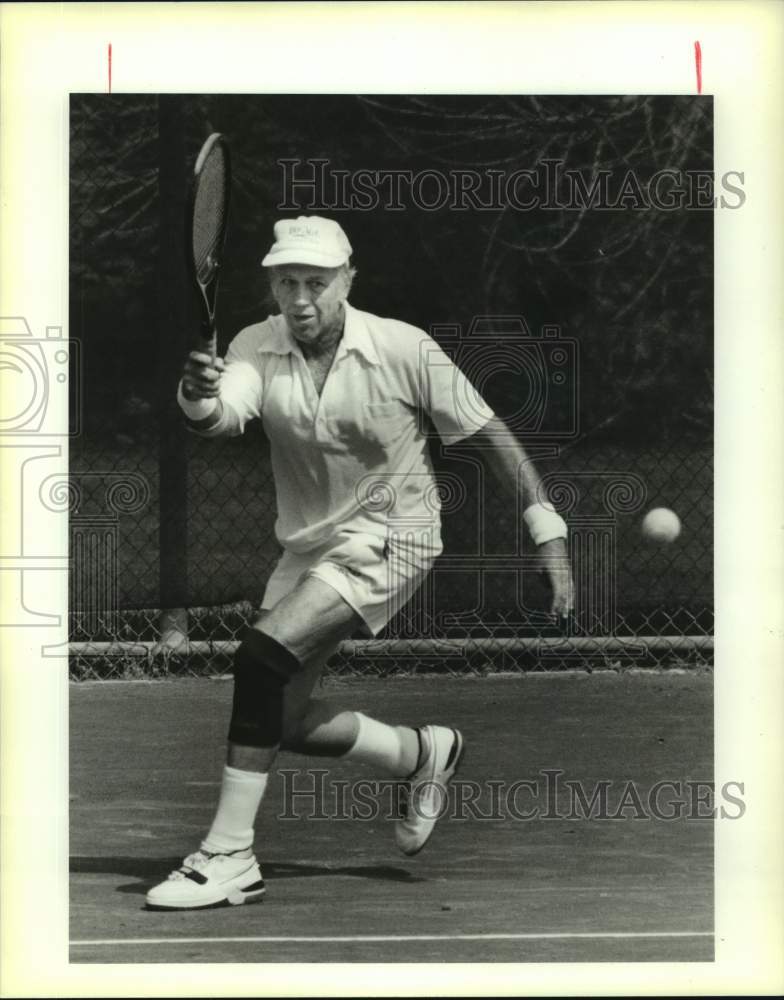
(209, 213)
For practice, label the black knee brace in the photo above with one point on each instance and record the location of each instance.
(262, 669)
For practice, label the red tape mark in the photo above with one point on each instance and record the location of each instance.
(698, 63)
(110, 67)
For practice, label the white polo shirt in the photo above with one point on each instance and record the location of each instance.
(357, 457)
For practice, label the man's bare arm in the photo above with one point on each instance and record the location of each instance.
(517, 475)
(510, 463)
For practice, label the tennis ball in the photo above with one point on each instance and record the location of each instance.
(661, 525)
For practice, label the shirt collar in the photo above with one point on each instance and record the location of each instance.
(279, 340)
(356, 337)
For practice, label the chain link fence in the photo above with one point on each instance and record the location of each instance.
(172, 536)
(483, 607)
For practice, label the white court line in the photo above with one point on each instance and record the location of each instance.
(360, 938)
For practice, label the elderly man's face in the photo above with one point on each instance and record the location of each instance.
(310, 298)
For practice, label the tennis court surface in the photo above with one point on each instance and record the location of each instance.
(145, 765)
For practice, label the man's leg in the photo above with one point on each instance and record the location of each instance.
(307, 726)
(316, 729)
(425, 759)
(289, 645)
(324, 731)
(276, 669)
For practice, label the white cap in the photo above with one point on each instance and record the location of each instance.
(308, 239)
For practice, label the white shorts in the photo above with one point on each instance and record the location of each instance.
(374, 576)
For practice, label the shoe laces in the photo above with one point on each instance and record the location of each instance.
(193, 863)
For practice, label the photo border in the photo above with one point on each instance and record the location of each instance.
(49, 50)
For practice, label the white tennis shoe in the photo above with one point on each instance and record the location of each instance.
(426, 789)
(205, 880)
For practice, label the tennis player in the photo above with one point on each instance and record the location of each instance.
(345, 398)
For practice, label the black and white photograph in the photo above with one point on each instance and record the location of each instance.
(382, 436)
(435, 559)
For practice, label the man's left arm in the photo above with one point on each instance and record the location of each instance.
(517, 474)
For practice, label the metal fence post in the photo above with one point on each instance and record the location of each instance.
(174, 296)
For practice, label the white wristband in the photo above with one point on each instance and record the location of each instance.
(195, 409)
(543, 523)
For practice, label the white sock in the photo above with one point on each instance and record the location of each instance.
(240, 797)
(378, 745)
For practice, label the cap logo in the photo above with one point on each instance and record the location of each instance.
(304, 232)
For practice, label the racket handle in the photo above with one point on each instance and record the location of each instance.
(209, 340)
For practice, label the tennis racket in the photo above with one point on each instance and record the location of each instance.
(209, 218)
